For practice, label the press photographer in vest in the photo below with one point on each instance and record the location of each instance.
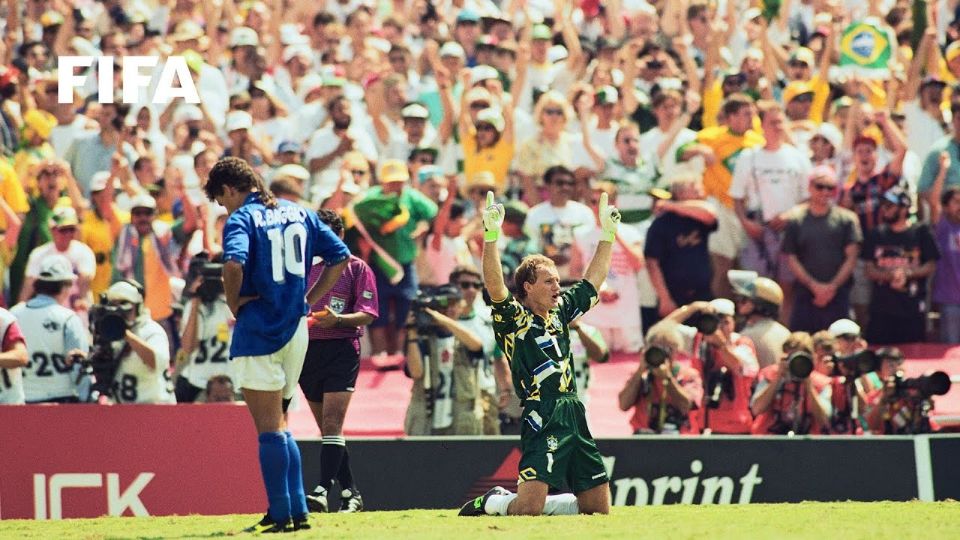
(790, 397)
(726, 361)
(443, 359)
(140, 351)
(664, 392)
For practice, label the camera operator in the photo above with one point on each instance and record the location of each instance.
(493, 370)
(206, 331)
(726, 361)
(442, 359)
(13, 358)
(902, 405)
(791, 398)
(54, 335)
(842, 355)
(664, 392)
(142, 355)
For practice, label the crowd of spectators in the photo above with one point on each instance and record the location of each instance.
(761, 178)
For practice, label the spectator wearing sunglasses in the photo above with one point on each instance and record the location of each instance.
(64, 226)
(821, 241)
(554, 223)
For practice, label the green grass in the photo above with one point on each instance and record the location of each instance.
(820, 521)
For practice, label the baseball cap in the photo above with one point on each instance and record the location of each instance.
(607, 95)
(844, 327)
(934, 80)
(56, 268)
(51, 18)
(482, 73)
(64, 216)
(898, 196)
(244, 36)
(468, 15)
(823, 171)
(99, 181)
(288, 146)
(186, 31)
(481, 179)
(478, 93)
(803, 54)
(292, 170)
(295, 51)
(143, 200)
(187, 113)
(541, 31)
(415, 110)
(831, 133)
(722, 306)
(428, 172)
(238, 120)
(865, 138)
(492, 117)
(515, 211)
(124, 292)
(795, 89)
(394, 170)
(952, 51)
(452, 48)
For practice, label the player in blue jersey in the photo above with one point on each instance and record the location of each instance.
(268, 248)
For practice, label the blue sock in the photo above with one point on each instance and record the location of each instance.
(298, 499)
(274, 463)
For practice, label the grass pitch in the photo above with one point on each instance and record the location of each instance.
(820, 521)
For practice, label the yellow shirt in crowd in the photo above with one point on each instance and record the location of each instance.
(726, 146)
(495, 159)
(96, 233)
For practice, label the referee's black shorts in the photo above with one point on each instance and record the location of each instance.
(331, 365)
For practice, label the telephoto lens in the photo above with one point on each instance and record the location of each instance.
(801, 365)
(655, 356)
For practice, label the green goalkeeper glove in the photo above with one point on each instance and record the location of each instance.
(492, 219)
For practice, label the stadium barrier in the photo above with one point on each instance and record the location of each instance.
(87, 461)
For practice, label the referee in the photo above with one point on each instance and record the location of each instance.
(331, 366)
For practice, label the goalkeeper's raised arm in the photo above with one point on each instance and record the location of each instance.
(599, 267)
(492, 271)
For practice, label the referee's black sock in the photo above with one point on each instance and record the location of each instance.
(332, 451)
(345, 475)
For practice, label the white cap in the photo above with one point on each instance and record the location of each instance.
(482, 73)
(187, 113)
(722, 306)
(239, 120)
(452, 48)
(292, 170)
(243, 36)
(831, 133)
(292, 51)
(415, 110)
(99, 181)
(844, 327)
(84, 47)
(56, 268)
(290, 34)
(124, 291)
(143, 200)
(557, 53)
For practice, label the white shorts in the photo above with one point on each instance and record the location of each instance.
(729, 236)
(276, 371)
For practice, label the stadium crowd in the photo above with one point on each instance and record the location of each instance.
(783, 205)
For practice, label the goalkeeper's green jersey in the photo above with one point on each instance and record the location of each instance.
(538, 349)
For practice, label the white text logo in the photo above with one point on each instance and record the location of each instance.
(136, 75)
(51, 507)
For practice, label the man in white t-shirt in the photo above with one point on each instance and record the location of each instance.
(328, 145)
(767, 182)
(64, 226)
(552, 224)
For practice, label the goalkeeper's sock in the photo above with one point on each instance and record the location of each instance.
(561, 505)
(497, 505)
(298, 499)
(274, 464)
(332, 450)
(345, 473)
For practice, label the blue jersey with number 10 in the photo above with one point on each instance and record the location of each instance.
(276, 247)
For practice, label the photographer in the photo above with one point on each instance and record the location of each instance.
(902, 405)
(54, 335)
(726, 361)
(664, 392)
(790, 397)
(842, 355)
(442, 359)
(493, 372)
(206, 331)
(141, 354)
(758, 300)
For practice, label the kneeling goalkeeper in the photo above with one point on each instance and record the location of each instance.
(532, 329)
